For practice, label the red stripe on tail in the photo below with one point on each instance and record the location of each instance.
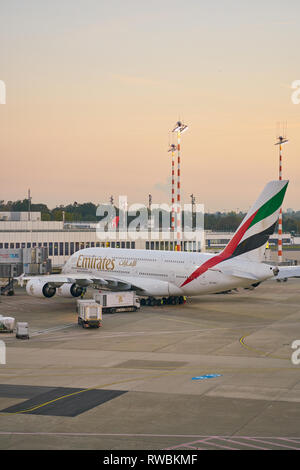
(226, 253)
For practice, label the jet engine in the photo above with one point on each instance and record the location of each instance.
(70, 290)
(39, 288)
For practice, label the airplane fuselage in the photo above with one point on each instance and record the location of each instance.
(164, 273)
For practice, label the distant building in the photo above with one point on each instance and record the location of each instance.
(63, 239)
(14, 262)
(20, 216)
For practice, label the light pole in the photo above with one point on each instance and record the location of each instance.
(281, 141)
(179, 129)
(193, 201)
(29, 205)
(172, 149)
(149, 214)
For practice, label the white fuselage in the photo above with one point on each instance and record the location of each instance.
(161, 273)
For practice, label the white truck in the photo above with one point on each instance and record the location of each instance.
(123, 301)
(89, 314)
(7, 324)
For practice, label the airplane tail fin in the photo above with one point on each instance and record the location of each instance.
(253, 233)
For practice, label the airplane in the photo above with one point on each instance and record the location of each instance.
(174, 275)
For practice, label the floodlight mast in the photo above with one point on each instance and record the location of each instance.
(281, 141)
(179, 129)
(172, 149)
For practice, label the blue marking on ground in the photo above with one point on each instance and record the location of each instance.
(207, 376)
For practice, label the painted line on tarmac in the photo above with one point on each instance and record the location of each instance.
(121, 334)
(263, 441)
(52, 329)
(169, 373)
(273, 439)
(42, 332)
(124, 334)
(101, 386)
(179, 321)
(258, 351)
(239, 442)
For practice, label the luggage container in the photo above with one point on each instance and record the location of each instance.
(89, 314)
(81, 302)
(112, 302)
(22, 330)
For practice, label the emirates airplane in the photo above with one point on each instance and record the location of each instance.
(174, 274)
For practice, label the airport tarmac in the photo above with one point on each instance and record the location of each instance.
(215, 373)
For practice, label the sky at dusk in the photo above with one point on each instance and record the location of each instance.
(94, 87)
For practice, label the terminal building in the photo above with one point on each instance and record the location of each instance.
(220, 239)
(19, 231)
(20, 216)
(62, 239)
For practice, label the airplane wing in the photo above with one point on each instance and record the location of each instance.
(140, 285)
(284, 272)
(85, 280)
(56, 280)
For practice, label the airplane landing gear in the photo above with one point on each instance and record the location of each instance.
(173, 300)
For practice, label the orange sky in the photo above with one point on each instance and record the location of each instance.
(93, 87)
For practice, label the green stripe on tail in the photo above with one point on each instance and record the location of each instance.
(269, 207)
